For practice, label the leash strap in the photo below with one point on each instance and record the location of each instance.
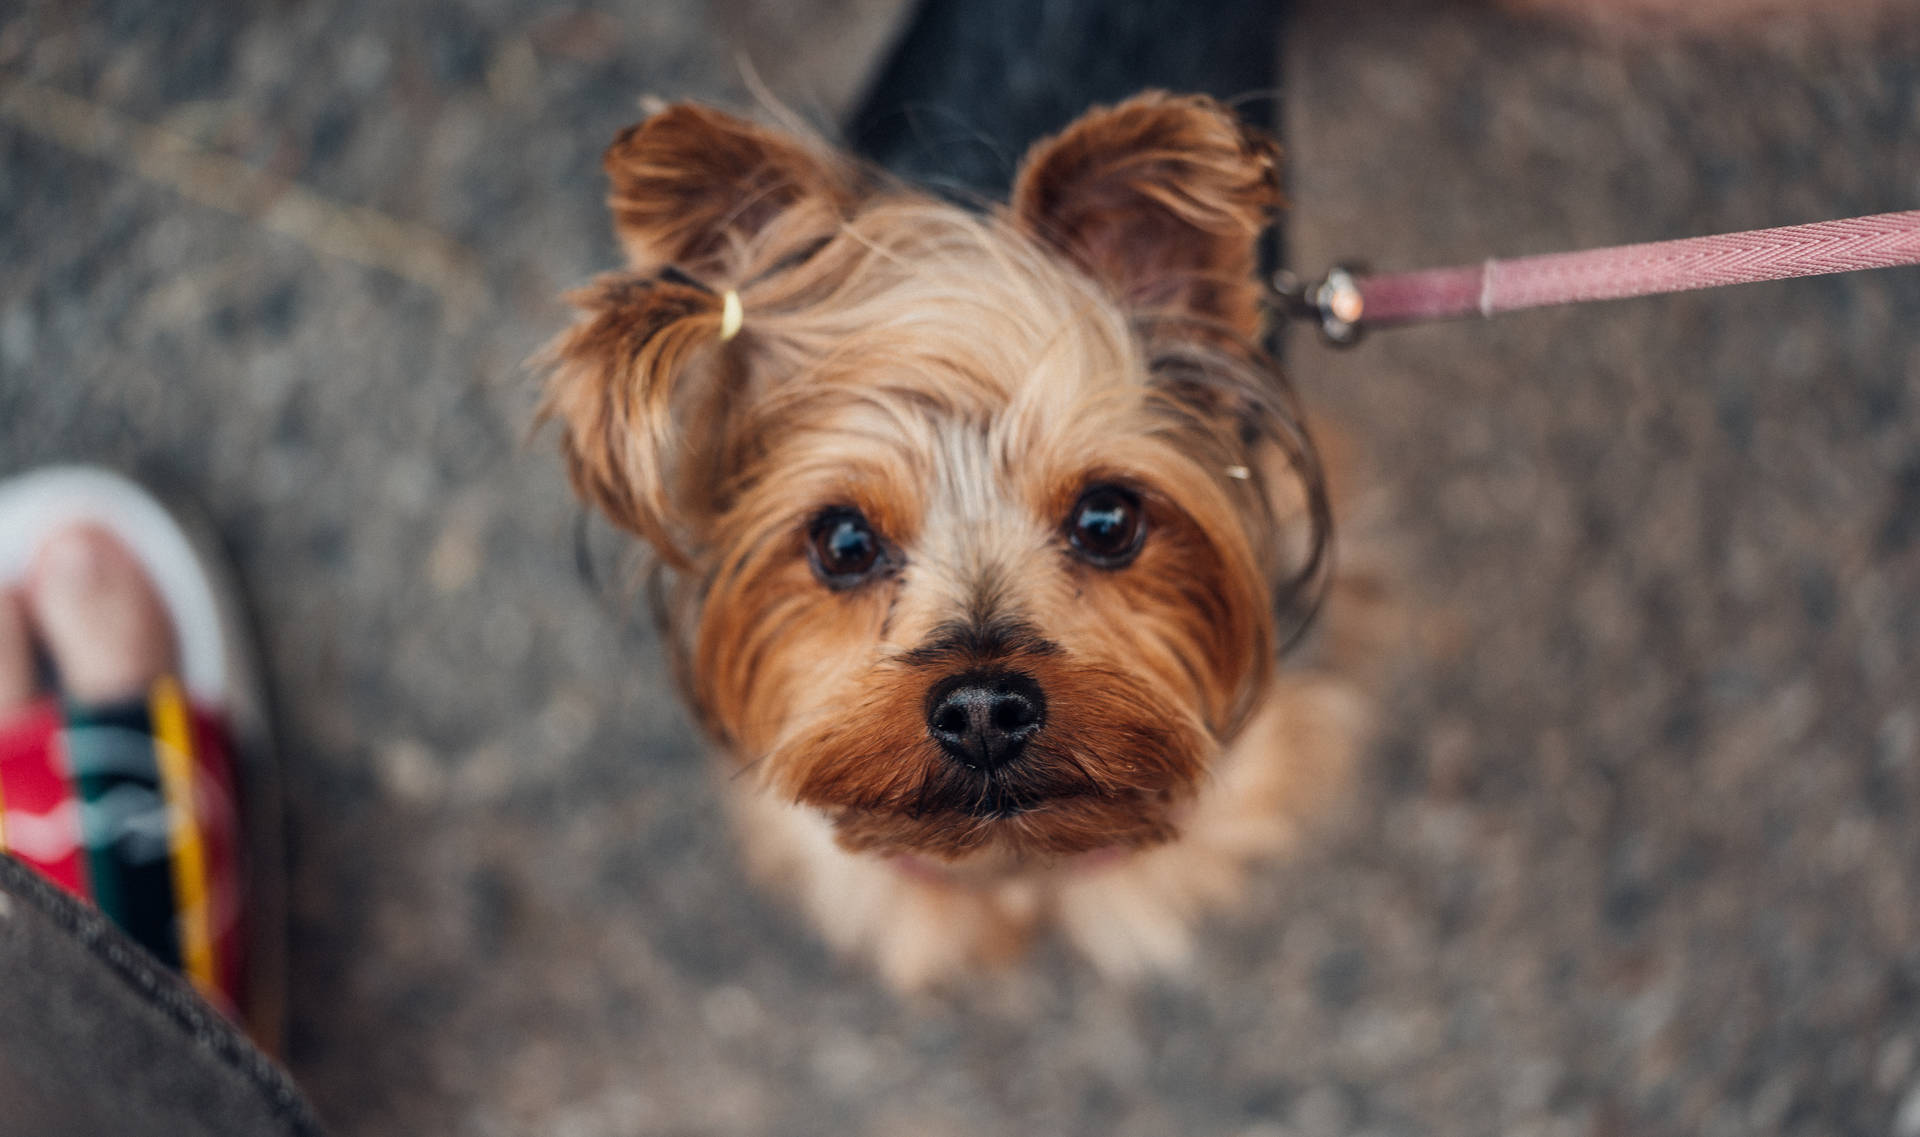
(1346, 301)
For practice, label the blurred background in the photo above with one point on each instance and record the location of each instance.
(1635, 852)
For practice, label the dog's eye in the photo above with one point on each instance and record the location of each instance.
(1107, 527)
(843, 548)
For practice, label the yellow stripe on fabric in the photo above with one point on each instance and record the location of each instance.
(173, 751)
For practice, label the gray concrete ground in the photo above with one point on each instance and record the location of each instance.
(1636, 852)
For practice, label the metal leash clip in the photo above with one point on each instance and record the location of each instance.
(1334, 302)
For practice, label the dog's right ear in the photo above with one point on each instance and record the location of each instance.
(698, 189)
(646, 380)
(611, 384)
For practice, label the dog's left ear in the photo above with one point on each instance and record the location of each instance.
(1163, 200)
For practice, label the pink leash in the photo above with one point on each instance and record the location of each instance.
(1345, 301)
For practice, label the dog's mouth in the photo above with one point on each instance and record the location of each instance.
(955, 814)
(1049, 827)
(995, 796)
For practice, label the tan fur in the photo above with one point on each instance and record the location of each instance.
(960, 381)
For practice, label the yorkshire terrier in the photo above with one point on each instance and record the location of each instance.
(972, 528)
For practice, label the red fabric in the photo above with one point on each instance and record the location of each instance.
(41, 824)
(217, 803)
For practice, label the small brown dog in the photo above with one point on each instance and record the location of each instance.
(973, 527)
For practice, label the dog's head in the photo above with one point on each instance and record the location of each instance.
(977, 522)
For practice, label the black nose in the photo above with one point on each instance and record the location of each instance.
(984, 719)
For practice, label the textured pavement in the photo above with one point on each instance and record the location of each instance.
(1637, 849)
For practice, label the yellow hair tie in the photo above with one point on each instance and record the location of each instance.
(731, 316)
